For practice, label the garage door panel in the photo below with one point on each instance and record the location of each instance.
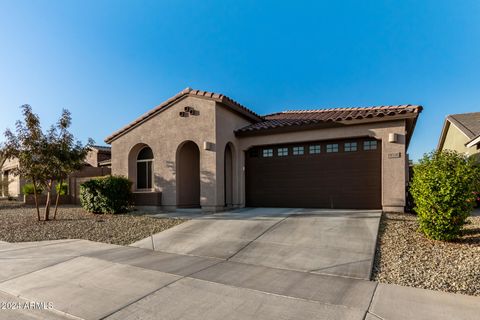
(328, 180)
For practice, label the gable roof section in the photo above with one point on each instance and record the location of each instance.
(298, 119)
(220, 98)
(467, 123)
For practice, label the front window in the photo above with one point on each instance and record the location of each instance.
(145, 169)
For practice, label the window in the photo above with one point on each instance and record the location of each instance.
(267, 153)
(350, 146)
(332, 147)
(281, 152)
(370, 145)
(315, 149)
(145, 169)
(298, 151)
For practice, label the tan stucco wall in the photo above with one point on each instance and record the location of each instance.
(92, 158)
(393, 169)
(226, 123)
(456, 140)
(164, 133)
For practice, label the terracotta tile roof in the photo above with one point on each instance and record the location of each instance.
(306, 117)
(229, 102)
(468, 123)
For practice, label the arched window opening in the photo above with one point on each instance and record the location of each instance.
(145, 169)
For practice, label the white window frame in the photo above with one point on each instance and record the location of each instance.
(152, 173)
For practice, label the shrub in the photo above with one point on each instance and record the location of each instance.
(62, 189)
(111, 194)
(443, 187)
(28, 189)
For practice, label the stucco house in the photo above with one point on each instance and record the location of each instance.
(461, 132)
(204, 150)
(97, 163)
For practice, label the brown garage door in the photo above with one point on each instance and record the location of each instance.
(343, 174)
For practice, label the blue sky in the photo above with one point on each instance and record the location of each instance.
(110, 61)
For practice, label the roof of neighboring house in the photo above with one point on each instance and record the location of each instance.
(220, 98)
(467, 123)
(102, 148)
(104, 163)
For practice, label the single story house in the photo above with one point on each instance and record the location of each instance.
(97, 163)
(461, 132)
(204, 150)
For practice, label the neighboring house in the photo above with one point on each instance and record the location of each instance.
(461, 132)
(96, 164)
(203, 149)
(14, 183)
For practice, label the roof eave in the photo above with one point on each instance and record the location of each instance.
(330, 124)
(473, 142)
(443, 134)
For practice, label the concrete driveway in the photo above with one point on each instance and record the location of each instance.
(337, 242)
(226, 266)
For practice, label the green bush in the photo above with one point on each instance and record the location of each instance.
(28, 189)
(443, 187)
(111, 194)
(62, 189)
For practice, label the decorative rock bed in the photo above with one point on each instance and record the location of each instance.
(405, 257)
(18, 223)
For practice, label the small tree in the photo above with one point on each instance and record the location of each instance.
(43, 158)
(443, 187)
(27, 145)
(68, 154)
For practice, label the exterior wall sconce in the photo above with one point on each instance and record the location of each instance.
(393, 137)
(210, 146)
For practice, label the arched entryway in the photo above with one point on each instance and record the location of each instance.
(228, 174)
(188, 175)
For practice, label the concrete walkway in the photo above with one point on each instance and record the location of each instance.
(88, 280)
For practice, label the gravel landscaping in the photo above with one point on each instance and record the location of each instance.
(19, 223)
(405, 257)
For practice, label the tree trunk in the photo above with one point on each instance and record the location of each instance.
(57, 200)
(35, 196)
(47, 204)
